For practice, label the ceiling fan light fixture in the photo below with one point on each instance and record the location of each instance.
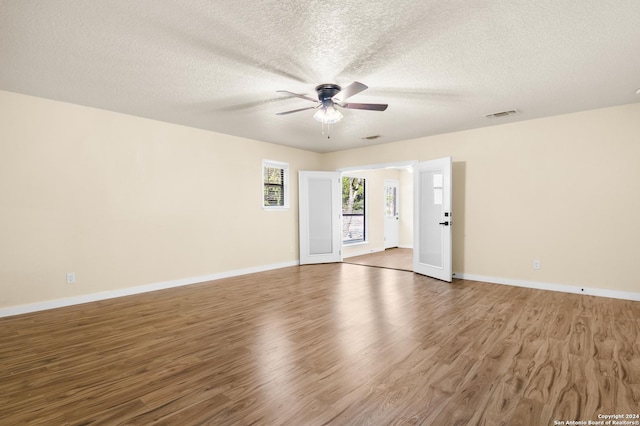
(328, 115)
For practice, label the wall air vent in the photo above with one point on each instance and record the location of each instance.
(502, 114)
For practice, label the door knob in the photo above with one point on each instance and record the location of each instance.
(444, 223)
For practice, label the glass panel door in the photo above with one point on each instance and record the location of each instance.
(319, 217)
(432, 219)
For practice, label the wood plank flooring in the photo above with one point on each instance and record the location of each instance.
(324, 344)
(394, 258)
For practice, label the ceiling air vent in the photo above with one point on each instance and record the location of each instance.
(370, 138)
(502, 114)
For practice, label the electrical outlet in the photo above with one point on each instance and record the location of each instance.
(71, 277)
(536, 264)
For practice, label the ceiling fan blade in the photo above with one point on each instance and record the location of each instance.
(297, 95)
(370, 107)
(352, 89)
(296, 110)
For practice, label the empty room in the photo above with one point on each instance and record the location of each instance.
(319, 213)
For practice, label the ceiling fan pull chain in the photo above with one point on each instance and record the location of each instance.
(322, 127)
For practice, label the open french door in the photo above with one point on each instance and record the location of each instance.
(320, 205)
(432, 219)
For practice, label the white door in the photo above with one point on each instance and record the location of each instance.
(391, 215)
(320, 205)
(432, 218)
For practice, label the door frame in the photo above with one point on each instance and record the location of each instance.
(409, 164)
(392, 165)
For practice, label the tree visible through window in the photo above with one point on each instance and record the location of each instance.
(353, 210)
(275, 185)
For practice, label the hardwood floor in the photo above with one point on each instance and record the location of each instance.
(394, 258)
(324, 344)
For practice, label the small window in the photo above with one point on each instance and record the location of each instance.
(353, 210)
(275, 184)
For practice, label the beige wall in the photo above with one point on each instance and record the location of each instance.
(124, 201)
(564, 190)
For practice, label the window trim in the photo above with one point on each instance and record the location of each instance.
(285, 189)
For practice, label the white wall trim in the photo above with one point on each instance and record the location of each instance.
(406, 246)
(590, 291)
(394, 165)
(111, 294)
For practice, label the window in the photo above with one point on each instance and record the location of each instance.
(275, 184)
(353, 210)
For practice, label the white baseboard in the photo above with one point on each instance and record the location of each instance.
(85, 298)
(93, 297)
(601, 292)
(407, 247)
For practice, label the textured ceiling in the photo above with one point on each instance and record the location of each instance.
(441, 66)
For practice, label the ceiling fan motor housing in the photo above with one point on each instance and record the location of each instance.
(326, 92)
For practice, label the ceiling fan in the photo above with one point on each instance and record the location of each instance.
(330, 96)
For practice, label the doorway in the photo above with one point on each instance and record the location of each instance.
(389, 241)
(430, 234)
